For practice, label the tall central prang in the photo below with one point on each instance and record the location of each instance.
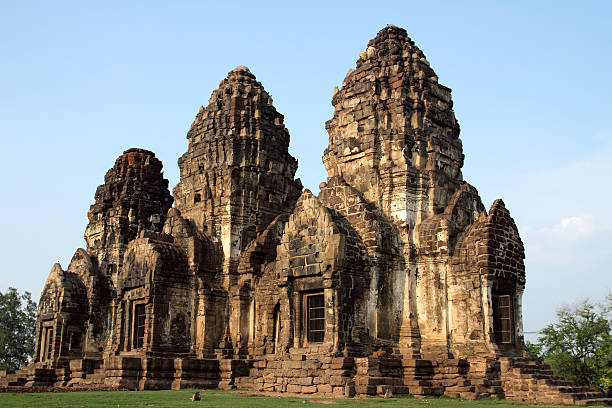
(237, 174)
(394, 135)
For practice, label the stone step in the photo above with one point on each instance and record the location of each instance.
(418, 377)
(371, 380)
(524, 362)
(95, 377)
(558, 382)
(542, 378)
(243, 382)
(365, 389)
(493, 390)
(585, 395)
(528, 371)
(593, 401)
(398, 389)
(416, 383)
(572, 389)
(417, 391)
(485, 381)
(433, 390)
(194, 383)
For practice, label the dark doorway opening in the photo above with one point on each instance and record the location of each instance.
(503, 318)
(315, 307)
(139, 326)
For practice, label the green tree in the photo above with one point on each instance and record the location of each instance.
(579, 345)
(534, 348)
(17, 329)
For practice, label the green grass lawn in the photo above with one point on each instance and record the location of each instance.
(217, 398)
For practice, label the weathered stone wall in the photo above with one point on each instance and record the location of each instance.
(61, 318)
(304, 374)
(436, 238)
(385, 304)
(260, 294)
(205, 258)
(134, 196)
(156, 275)
(98, 287)
(488, 258)
(321, 253)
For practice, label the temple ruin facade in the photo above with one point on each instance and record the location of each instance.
(395, 277)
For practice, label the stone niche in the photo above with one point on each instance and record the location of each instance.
(394, 278)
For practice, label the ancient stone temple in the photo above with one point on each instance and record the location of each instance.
(394, 278)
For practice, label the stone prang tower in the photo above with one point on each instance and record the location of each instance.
(395, 278)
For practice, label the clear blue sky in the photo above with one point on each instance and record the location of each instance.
(82, 81)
